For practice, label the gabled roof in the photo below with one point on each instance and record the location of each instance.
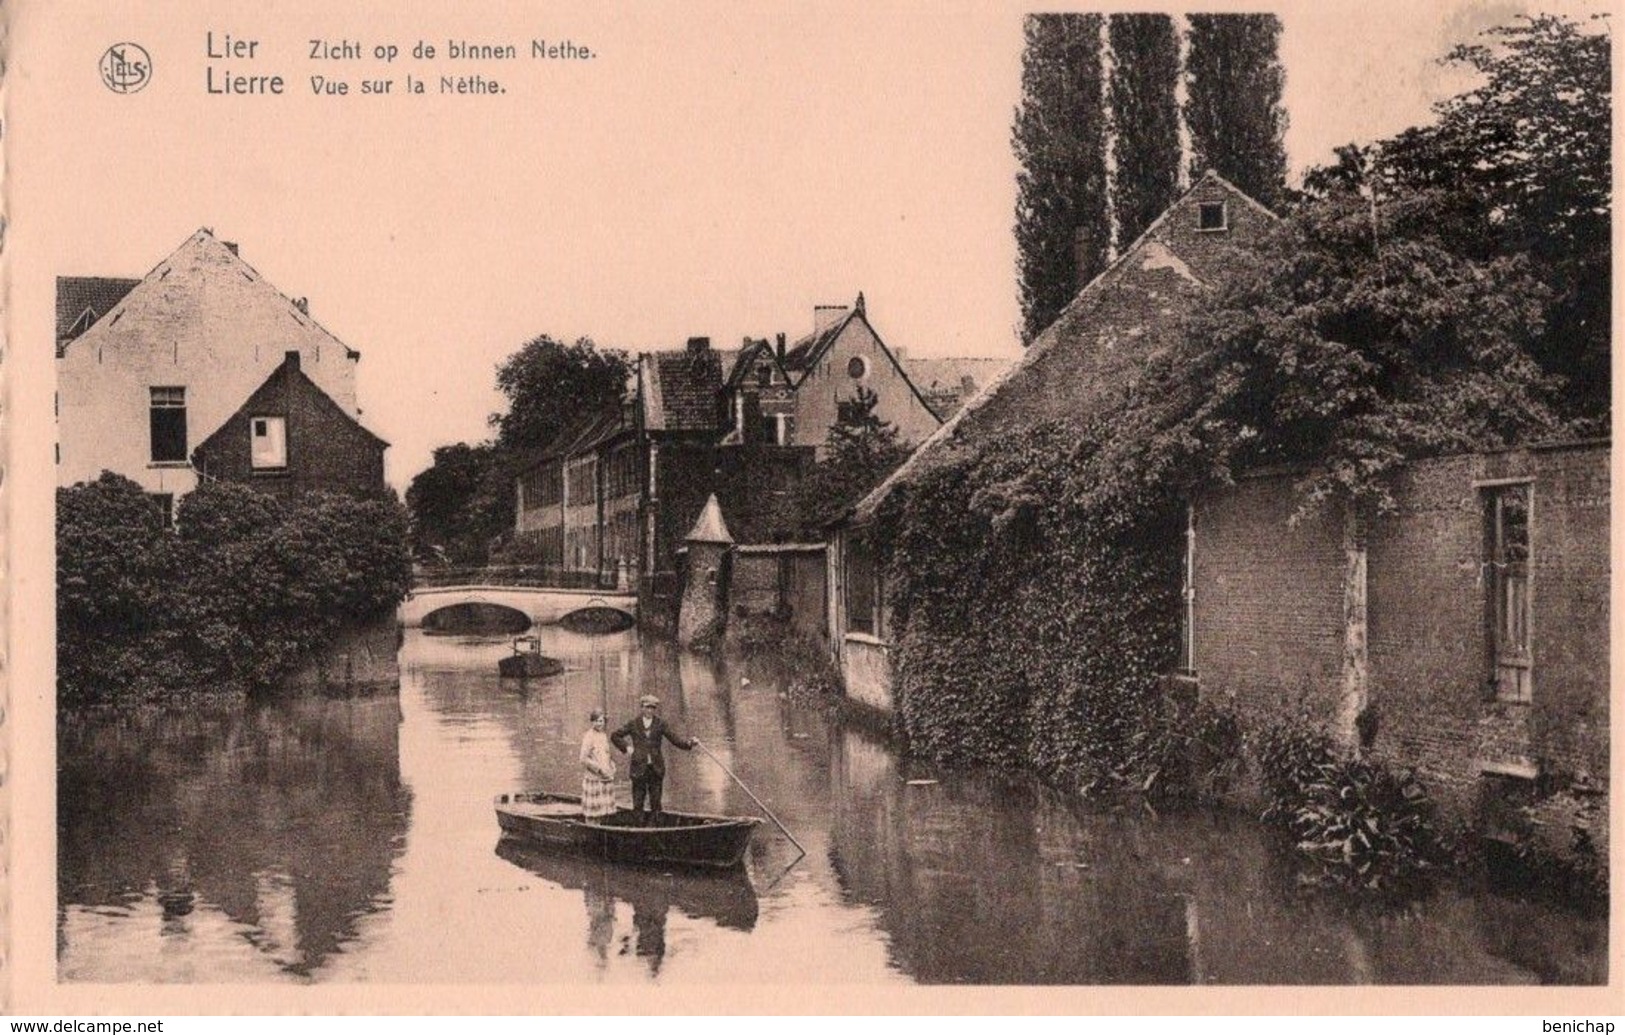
(745, 360)
(81, 301)
(1147, 251)
(806, 352)
(681, 390)
(204, 280)
(303, 381)
(804, 356)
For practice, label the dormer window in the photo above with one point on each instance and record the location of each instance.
(1210, 217)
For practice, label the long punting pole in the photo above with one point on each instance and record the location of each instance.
(753, 797)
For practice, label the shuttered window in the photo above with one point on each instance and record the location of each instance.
(268, 443)
(1507, 542)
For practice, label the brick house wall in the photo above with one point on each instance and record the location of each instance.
(784, 581)
(1268, 625)
(327, 449)
(746, 480)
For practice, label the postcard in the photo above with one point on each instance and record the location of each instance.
(808, 508)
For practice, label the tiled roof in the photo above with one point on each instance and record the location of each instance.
(1146, 252)
(710, 527)
(81, 301)
(932, 373)
(581, 435)
(207, 287)
(805, 352)
(681, 390)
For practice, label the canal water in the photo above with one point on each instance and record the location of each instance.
(317, 840)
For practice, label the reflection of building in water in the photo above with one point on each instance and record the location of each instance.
(977, 881)
(287, 817)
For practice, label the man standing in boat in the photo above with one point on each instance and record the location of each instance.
(640, 738)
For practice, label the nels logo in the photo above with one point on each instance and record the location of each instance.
(126, 67)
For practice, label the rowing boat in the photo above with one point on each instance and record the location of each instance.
(555, 821)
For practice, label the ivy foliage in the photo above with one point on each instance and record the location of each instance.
(1036, 571)
(1030, 634)
(1345, 345)
(245, 588)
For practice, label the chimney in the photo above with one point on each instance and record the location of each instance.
(827, 316)
(303, 305)
(698, 344)
(290, 359)
(780, 344)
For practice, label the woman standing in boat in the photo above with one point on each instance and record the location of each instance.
(597, 770)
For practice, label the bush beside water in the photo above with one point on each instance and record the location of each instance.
(246, 587)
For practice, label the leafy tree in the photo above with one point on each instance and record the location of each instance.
(1520, 166)
(548, 383)
(1145, 119)
(861, 450)
(441, 499)
(1321, 350)
(1062, 230)
(1233, 102)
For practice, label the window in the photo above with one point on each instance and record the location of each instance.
(268, 443)
(764, 375)
(1506, 564)
(770, 429)
(857, 367)
(163, 508)
(1210, 216)
(169, 425)
(864, 606)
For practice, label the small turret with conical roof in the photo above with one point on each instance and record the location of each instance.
(704, 608)
(710, 527)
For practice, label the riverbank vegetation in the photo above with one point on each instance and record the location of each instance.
(1393, 314)
(244, 588)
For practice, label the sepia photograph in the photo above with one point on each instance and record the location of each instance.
(808, 508)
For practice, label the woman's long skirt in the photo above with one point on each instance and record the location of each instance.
(597, 797)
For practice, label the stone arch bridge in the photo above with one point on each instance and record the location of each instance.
(540, 604)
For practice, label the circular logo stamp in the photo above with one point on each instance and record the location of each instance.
(126, 67)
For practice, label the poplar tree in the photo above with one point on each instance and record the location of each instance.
(1145, 118)
(1233, 102)
(1062, 230)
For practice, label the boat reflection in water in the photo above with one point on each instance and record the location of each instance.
(724, 897)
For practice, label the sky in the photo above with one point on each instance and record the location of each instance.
(715, 169)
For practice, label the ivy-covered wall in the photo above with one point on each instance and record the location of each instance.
(1032, 623)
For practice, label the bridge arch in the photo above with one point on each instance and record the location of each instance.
(541, 606)
(475, 616)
